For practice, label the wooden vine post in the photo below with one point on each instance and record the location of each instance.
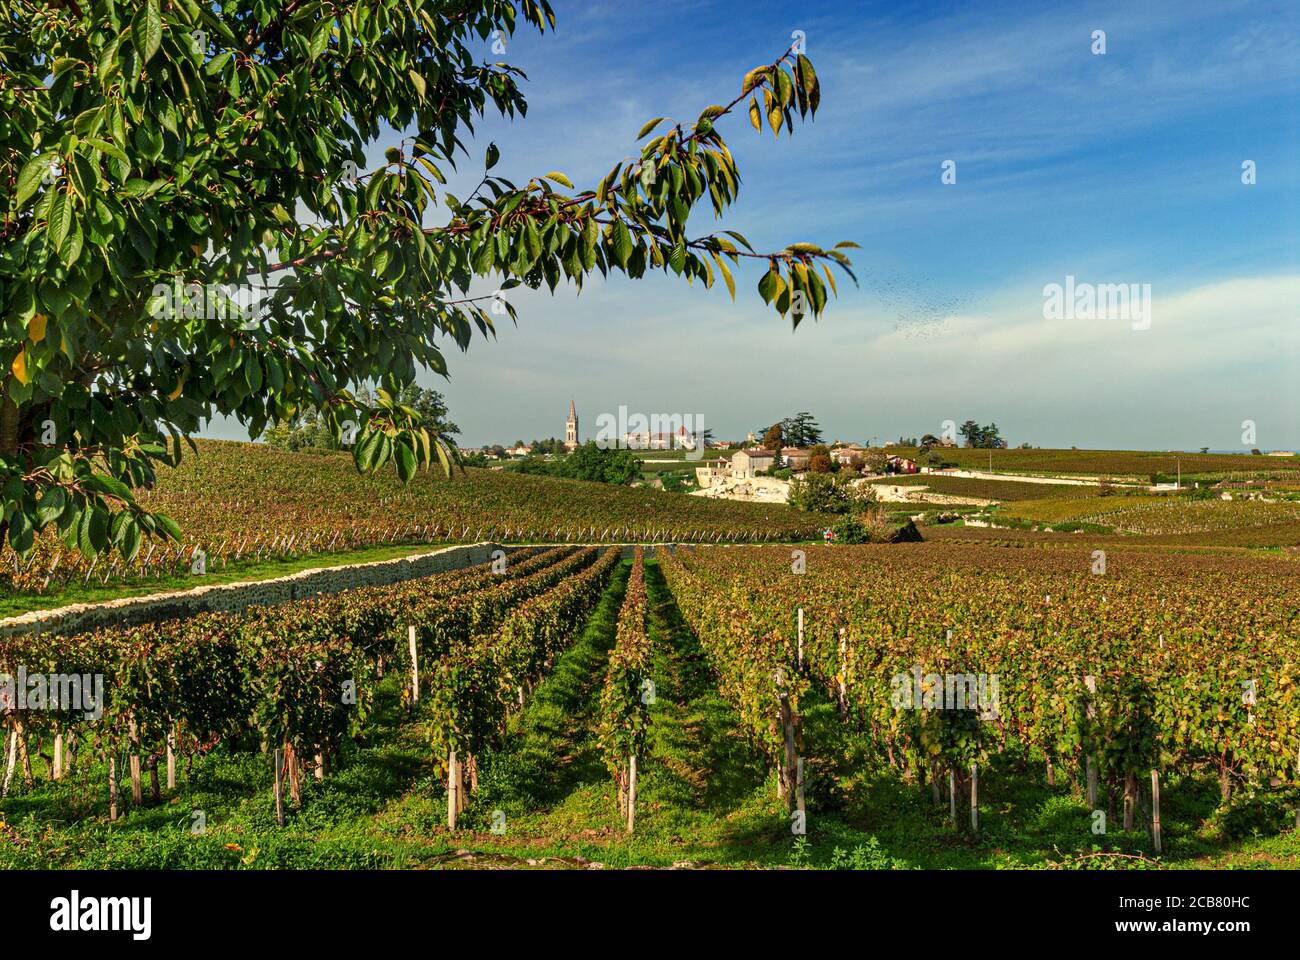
(798, 788)
(112, 787)
(1155, 809)
(1091, 683)
(952, 795)
(295, 769)
(11, 756)
(1130, 799)
(789, 762)
(974, 798)
(844, 671)
(279, 786)
(415, 668)
(137, 796)
(171, 758)
(56, 772)
(631, 793)
(452, 806)
(800, 647)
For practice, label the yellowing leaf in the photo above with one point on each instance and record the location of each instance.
(20, 367)
(559, 178)
(36, 328)
(755, 117)
(180, 385)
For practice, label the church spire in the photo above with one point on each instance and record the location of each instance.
(571, 428)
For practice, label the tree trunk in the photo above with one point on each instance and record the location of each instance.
(20, 728)
(1130, 800)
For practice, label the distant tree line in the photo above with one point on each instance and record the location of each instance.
(587, 462)
(310, 431)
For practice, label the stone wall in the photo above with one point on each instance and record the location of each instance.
(82, 617)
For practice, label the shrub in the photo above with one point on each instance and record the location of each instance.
(829, 493)
(849, 529)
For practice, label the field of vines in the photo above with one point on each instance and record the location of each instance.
(1106, 677)
(1160, 515)
(883, 706)
(1137, 464)
(300, 677)
(245, 503)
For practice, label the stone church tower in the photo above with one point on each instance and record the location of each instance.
(571, 428)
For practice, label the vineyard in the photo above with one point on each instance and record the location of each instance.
(1160, 515)
(1134, 464)
(888, 706)
(242, 504)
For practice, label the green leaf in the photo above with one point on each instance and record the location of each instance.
(558, 178)
(130, 543)
(649, 126)
(112, 149)
(51, 505)
(146, 31)
(418, 82)
(84, 541)
(320, 38)
(726, 274)
(170, 528)
(29, 178)
(622, 243)
(405, 461)
(60, 219)
(493, 155)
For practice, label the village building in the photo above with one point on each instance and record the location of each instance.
(571, 429)
(748, 463)
(796, 458)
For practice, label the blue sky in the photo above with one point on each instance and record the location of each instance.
(1115, 168)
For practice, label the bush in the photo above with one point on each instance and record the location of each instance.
(820, 463)
(829, 493)
(849, 529)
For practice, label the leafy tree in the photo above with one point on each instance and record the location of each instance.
(801, 430)
(774, 439)
(830, 493)
(589, 462)
(551, 445)
(928, 441)
(156, 156)
(984, 438)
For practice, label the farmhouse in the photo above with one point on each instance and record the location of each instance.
(902, 465)
(848, 453)
(747, 463)
(795, 458)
